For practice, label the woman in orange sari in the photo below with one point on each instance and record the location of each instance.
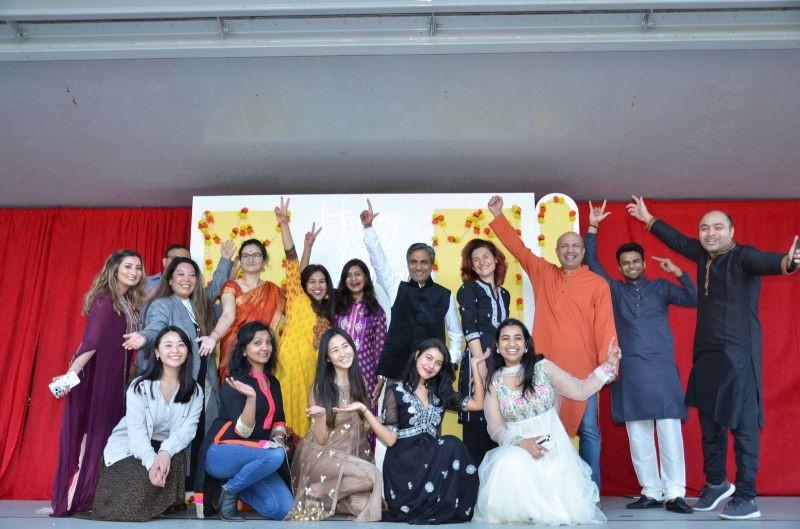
(248, 298)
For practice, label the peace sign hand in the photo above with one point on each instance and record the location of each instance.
(311, 236)
(282, 212)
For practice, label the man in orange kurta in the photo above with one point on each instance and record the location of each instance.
(573, 322)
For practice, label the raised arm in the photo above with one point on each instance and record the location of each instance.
(377, 258)
(686, 246)
(759, 263)
(223, 270)
(511, 239)
(309, 241)
(596, 216)
(577, 389)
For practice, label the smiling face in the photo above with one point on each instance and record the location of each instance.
(172, 350)
(569, 249)
(340, 352)
(183, 280)
(259, 350)
(511, 344)
(420, 265)
(716, 232)
(251, 258)
(631, 265)
(129, 272)
(483, 263)
(356, 280)
(429, 363)
(317, 286)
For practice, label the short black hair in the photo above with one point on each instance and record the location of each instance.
(421, 246)
(175, 246)
(630, 247)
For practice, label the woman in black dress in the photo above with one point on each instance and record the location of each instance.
(483, 304)
(427, 478)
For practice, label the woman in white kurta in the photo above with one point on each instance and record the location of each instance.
(535, 475)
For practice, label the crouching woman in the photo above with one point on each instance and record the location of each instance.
(144, 469)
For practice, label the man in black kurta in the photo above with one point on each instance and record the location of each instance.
(725, 381)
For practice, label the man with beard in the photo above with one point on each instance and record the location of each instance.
(573, 325)
(648, 390)
(725, 382)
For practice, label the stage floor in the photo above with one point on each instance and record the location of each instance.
(777, 513)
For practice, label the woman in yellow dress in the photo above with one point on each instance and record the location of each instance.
(308, 316)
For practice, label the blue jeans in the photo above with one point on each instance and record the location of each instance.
(252, 474)
(589, 434)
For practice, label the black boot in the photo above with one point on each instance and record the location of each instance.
(227, 507)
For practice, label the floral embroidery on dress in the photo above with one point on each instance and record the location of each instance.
(517, 407)
(422, 419)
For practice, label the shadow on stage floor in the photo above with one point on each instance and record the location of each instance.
(777, 513)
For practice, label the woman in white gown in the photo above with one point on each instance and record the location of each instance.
(535, 475)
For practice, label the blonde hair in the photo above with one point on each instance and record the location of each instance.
(107, 280)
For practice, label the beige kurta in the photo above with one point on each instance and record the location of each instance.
(338, 475)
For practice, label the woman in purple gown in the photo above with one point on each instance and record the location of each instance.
(359, 314)
(97, 404)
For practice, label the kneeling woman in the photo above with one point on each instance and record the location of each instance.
(333, 470)
(145, 462)
(245, 445)
(427, 478)
(535, 475)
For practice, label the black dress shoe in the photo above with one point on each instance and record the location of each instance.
(679, 506)
(645, 503)
(227, 507)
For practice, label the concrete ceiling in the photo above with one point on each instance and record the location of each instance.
(156, 131)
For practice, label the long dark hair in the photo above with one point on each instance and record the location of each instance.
(442, 384)
(203, 309)
(325, 392)
(324, 307)
(155, 368)
(238, 364)
(495, 362)
(343, 299)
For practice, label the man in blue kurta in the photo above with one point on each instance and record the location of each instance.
(648, 392)
(725, 382)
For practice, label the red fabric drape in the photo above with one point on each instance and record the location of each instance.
(48, 258)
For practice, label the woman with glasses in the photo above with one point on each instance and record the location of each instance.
(247, 298)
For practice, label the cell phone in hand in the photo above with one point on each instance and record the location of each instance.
(546, 442)
(61, 385)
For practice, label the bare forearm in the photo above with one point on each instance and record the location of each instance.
(80, 362)
(383, 433)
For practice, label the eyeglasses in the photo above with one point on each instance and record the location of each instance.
(255, 256)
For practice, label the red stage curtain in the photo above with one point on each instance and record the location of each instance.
(49, 257)
(47, 262)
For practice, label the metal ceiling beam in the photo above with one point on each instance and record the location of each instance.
(425, 31)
